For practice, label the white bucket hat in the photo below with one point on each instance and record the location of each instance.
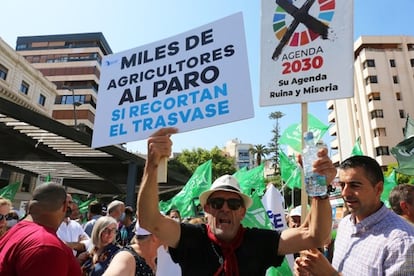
(226, 183)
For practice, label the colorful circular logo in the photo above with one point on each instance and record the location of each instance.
(300, 38)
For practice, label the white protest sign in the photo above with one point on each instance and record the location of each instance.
(306, 51)
(197, 79)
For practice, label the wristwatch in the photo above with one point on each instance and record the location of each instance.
(325, 196)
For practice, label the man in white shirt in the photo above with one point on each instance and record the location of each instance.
(72, 233)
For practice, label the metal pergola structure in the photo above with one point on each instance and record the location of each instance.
(35, 144)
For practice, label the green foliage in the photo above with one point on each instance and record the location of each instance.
(274, 142)
(221, 164)
(401, 178)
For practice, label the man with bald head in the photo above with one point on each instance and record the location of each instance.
(31, 247)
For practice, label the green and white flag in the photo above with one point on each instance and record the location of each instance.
(390, 182)
(409, 128)
(290, 171)
(292, 136)
(251, 181)
(186, 200)
(10, 191)
(356, 150)
(404, 153)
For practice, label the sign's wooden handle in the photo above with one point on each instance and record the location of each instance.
(162, 171)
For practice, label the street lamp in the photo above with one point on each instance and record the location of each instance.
(75, 104)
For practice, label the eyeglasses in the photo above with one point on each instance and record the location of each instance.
(110, 231)
(8, 217)
(218, 202)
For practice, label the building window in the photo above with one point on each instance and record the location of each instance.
(69, 99)
(395, 79)
(42, 100)
(3, 72)
(402, 113)
(377, 114)
(371, 79)
(374, 96)
(398, 96)
(244, 155)
(412, 62)
(392, 62)
(379, 132)
(382, 151)
(369, 63)
(21, 46)
(24, 87)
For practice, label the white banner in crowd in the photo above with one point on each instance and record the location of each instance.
(306, 51)
(194, 80)
(273, 203)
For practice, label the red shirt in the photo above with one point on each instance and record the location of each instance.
(29, 248)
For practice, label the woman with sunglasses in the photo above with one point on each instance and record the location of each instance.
(96, 260)
(223, 246)
(5, 206)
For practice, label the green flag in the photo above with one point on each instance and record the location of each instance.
(10, 191)
(83, 206)
(252, 181)
(240, 172)
(390, 182)
(356, 150)
(256, 217)
(409, 128)
(187, 200)
(290, 171)
(404, 153)
(292, 136)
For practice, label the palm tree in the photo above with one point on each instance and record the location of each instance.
(259, 151)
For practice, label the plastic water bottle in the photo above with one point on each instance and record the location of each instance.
(315, 183)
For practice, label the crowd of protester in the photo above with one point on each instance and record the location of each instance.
(55, 238)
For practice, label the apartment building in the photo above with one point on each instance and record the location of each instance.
(383, 97)
(240, 151)
(24, 85)
(73, 63)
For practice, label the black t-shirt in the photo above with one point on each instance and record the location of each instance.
(197, 255)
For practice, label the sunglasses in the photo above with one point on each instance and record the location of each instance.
(7, 217)
(218, 202)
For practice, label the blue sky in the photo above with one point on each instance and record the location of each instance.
(128, 24)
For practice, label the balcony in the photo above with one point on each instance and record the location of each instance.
(374, 105)
(378, 123)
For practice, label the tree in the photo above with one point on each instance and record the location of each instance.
(221, 164)
(274, 143)
(259, 151)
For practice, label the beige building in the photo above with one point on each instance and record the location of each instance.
(384, 96)
(73, 63)
(240, 151)
(24, 85)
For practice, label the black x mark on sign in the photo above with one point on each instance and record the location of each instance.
(300, 16)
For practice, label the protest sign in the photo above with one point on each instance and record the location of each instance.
(306, 51)
(194, 80)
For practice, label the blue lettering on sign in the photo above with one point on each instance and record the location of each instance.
(275, 219)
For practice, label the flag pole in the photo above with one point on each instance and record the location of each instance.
(303, 194)
(162, 170)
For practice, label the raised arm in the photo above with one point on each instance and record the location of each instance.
(317, 226)
(150, 218)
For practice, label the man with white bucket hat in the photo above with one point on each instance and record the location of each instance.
(223, 246)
